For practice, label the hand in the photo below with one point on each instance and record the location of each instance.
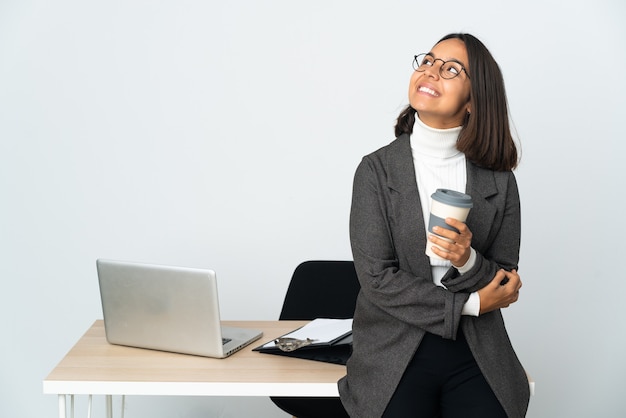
(502, 291)
(456, 245)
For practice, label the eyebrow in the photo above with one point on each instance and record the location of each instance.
(452, 59)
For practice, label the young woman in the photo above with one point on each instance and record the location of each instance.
(429, 337)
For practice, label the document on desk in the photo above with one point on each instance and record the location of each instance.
(323, 339)
(321, 331)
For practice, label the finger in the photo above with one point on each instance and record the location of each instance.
(457, 254)
(511, 277)
(446, 233)
(504, 278)
(455, 223)
(456, 250)
(513, 274)
(462, 228)
(446, 253)
(499, 279)
(437, 250)
(445, 243)
(514, 292)
(514, 279)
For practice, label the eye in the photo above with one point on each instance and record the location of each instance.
(452, 68)
(428, 60)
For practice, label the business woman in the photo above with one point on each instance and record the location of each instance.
(429, 337)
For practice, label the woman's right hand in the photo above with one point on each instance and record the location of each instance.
(501, 292)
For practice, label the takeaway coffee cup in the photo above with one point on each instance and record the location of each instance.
(446, 203)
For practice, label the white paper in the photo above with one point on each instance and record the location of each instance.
(321, 330)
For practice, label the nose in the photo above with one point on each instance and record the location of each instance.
(434, 70)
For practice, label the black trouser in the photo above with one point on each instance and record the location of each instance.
(443, 381)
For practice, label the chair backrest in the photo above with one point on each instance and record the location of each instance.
(321, 289)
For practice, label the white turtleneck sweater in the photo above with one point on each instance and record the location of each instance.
(439, 164)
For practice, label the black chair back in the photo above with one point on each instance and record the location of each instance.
(321, 289)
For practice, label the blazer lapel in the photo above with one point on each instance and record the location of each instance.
(407, 217)
(481, 185)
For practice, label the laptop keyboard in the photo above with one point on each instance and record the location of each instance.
(226, 340)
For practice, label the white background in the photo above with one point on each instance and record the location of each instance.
(225, 135)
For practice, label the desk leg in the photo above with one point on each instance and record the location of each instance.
(62, 410)
(109, 403)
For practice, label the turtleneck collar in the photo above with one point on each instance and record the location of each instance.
(432, 142)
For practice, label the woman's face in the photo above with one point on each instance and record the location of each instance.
(442, 103)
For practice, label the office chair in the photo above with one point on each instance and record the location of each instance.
(319, 289)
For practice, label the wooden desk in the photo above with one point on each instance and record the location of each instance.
(95, 367)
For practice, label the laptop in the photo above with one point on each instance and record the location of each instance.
(166, 308)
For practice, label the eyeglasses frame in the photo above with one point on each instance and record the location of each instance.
(440, 67)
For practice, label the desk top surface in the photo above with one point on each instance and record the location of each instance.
(93, 366)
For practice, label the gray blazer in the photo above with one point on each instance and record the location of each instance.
(399, 302)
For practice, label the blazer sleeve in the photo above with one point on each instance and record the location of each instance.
(383, 245)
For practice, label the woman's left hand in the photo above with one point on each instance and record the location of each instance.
(456, 245)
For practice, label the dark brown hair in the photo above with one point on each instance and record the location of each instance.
(485, 136)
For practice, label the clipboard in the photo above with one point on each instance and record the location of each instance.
(334, 344)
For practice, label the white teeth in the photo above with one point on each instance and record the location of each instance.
(427, 90)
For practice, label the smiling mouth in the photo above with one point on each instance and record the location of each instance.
(427, 90)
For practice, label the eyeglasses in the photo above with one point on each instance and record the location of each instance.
(290, 344)
(448, 70)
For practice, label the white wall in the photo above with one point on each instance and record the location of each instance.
(225, 135)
